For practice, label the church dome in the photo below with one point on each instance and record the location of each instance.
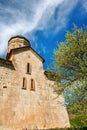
(17, 42)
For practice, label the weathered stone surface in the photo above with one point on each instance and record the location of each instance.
(23, 108)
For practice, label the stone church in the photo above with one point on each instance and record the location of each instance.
(27, 100)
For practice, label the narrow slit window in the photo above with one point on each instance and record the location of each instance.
(24, 83)
(28, 68)
(32, 84)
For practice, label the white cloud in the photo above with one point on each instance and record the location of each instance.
(84, 4)
(25, 16)
(62, 15)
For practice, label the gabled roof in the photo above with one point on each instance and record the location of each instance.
(24, 48)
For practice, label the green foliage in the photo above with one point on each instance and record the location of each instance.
(76, 96)
(52, 76)
(70, 57)
(75, 92)
(57, 78)
(78, 113)
(70, 65)
(79, 120)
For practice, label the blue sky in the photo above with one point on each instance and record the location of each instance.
(43, 22)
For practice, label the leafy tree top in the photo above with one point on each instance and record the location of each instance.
(70, 57)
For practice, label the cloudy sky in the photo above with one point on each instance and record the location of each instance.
(42, 22)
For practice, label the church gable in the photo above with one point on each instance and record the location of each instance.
(25, 55)
(24, 49)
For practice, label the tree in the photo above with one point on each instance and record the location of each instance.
(70, 63)
(70, 57)
(77, 104)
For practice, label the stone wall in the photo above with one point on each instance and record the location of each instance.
(23, 108)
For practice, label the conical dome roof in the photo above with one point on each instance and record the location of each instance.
(17, 41)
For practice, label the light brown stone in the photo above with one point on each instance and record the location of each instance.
(24, 108)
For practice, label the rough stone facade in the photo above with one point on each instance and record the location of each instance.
(27, 99)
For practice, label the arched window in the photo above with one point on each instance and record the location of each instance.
(32, 84)
(24, 83)
(28, 68)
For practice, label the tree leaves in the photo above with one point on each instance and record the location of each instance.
(71, 55)
(70, 62)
